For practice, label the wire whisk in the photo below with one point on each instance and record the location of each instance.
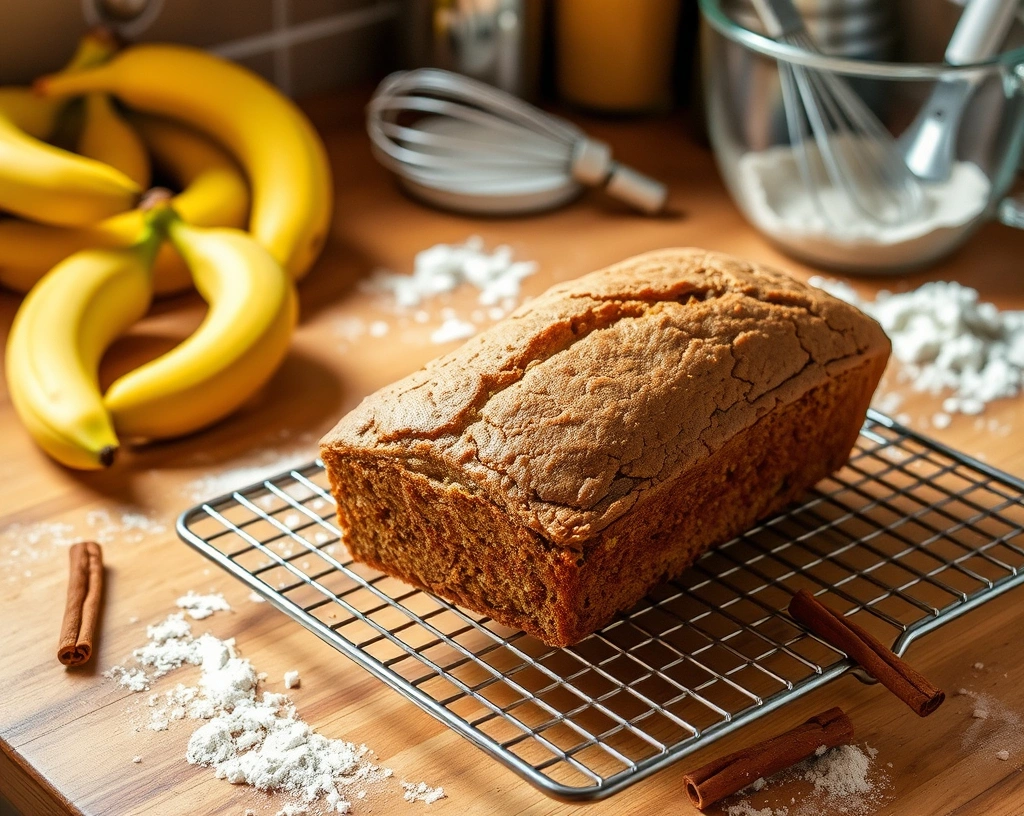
(839, 143)
(464, 145)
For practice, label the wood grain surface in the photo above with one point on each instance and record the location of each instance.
(69, 736)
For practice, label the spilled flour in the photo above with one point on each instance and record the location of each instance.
(22, 545)
(949, 343)
(843, 780)
(438, 272)
(993, 725)
(443, 268)
(244, 736)
(283, 453)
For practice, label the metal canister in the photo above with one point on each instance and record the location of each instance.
(495, 41)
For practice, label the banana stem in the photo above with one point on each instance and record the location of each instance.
(159, 216)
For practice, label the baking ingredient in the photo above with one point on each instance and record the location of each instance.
(842, 773)
(213, 194)
(948, 341)
(728, 774)
(247, 737)
(82, 608)
(874, 657)
(452, 329)
(107, 137)
(24, 544)
(826, 226)
(999, 726)
(1003, 755)
(843, 780)
(59, 334)
(240, 343)
(257, 464)
(421, 792)
(291, 679)
(744, 808)
(51, 185)
(445, 267)
(273, 140)
(199, 606)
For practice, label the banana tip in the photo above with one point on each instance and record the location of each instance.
(41, 86)
(108, 455)
(104, 35)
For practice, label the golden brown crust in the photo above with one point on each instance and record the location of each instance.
(566, 413)
(602, 437)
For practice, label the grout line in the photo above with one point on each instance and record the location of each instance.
(314, 30)
(282, 53)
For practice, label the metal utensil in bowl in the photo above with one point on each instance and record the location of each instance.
(929, 144)
(852, 152)
(742, 70)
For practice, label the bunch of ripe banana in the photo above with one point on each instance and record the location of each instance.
(91, 251)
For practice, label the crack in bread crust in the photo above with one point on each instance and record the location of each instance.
(600, 438)
(571, 409)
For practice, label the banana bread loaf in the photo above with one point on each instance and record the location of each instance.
(557, 466)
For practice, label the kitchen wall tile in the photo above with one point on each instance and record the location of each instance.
(37, 37)
(262, 64)
(301, 11)
(343, 59)
(210, 22)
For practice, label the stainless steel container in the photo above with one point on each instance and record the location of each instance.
(495, 41)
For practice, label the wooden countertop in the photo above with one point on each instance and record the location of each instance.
(68, 737)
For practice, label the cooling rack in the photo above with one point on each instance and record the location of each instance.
(909, 535)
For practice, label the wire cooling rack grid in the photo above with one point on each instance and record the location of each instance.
(907, 536)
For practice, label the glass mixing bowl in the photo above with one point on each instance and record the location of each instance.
(747, 125)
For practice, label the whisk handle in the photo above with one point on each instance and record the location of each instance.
(592, 164)
(639, 191)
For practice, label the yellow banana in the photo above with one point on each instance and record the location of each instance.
(57, 339)
(47, 184)
(108, 138)
(214, 195)
(238, 346)
(273, 140)
(36, 115)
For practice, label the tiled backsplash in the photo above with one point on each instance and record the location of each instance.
(305, 46)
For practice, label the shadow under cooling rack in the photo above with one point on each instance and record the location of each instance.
(907, 536)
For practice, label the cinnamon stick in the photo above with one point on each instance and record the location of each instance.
(82, 609)
(729, 774)
(875, 658)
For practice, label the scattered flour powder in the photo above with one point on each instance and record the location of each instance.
(828, 228)
(993, 724)
(440, 270)
(948, 342)
(202, 606)
(445, 267)
(421, 792)
(247, 737)
(253, 467)
(24, 544)
(844, 780)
